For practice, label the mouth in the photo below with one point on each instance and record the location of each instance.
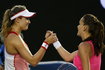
(27, 25)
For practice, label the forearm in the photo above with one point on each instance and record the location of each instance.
(38, 56)
(64, 54)
(67, 56)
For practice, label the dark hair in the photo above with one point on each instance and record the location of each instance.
(96, 29)
(7, 23)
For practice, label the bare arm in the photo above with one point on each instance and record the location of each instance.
(67, 56)
(85, 53)
(18, 44)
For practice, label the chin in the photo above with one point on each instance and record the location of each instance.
(25, 29)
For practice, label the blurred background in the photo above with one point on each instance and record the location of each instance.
(60, 16)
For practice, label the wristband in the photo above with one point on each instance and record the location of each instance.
(44, 45)
(57, 44)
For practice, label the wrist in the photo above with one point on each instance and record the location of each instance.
(57, 44)
(45, 45)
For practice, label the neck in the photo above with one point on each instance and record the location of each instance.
(16, 29)
(85, 36)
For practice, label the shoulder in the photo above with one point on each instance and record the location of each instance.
(11, 36)
(12, 39)
(84, 44)
(84, 47)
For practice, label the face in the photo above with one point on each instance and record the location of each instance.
(80, 27)
(24, 23)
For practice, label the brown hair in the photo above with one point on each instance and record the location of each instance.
(96, 28)
(7, 23)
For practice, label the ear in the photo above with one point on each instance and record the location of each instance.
(86, 28)
(17, 19)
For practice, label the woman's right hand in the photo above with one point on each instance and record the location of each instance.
(51, 38)
(48, 33)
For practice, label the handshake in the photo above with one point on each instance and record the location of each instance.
(51, 38)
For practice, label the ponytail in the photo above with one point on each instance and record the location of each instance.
(99, 38)
(6, 23)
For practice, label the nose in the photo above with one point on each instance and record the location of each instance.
(29, 21)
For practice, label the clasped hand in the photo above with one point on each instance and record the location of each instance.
(50, 37)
